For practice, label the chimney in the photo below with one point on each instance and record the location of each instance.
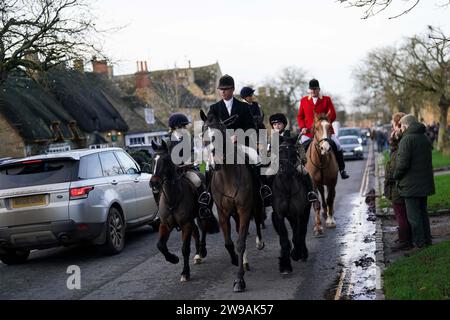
(78, 65)
(99, 66)
(57, 131)
(142, 75)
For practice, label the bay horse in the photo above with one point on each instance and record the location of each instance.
(178, 208)
(235, 195)
(290, 202)
(323, 169)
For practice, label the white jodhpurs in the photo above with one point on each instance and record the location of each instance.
(333, 137)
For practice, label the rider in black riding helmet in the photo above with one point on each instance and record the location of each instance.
(278, 123)
(177, 124)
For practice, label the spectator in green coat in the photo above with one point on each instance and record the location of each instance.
(414, 172)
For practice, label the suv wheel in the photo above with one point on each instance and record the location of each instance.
(12, 257)
(115, 232)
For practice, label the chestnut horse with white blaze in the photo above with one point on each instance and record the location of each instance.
(323, 169)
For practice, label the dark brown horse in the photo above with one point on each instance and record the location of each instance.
(322, 166)
(235, 195)
(178, 208)
(290, 202)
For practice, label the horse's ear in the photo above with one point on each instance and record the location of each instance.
(203, 115)
(155, 146)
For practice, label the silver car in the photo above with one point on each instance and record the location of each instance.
(351, 147)
(64, 198)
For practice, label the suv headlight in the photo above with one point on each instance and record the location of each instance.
(359, 148)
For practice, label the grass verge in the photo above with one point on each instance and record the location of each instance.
(423, 276)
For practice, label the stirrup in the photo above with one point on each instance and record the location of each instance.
(204, 213)
(265, 191)
(204, 198)
(312, 196)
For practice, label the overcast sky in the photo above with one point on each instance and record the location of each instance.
(254, 39)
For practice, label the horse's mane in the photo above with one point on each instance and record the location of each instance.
(321, 117)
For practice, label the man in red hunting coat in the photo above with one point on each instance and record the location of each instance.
(312, 104)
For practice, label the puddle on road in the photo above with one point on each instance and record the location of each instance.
(357, 278)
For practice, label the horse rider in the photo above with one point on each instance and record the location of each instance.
(177, 124)
(229, 106)
(278, 122)
(255, 109)
(314, 104)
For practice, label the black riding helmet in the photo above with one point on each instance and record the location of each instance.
(177, 120)
(278, 117)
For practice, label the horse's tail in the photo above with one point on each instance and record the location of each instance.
(210, 225)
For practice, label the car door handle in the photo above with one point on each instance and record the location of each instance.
(114, 182)
(136, 180)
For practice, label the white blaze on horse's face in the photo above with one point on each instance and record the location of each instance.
(156, 164)
(324, 145)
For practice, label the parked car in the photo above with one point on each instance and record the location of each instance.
(353, 131)
(351, 147)
(64, 198)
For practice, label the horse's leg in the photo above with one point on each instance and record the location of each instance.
(293, 220)
(245, 261)
(302, 229)
(164, 233)
(318, 230)
(259, 222)
(321, 189)
(225, 225)
(284, 263)
(331, 223)
(186, 234)
(196, 237)
(239, 283)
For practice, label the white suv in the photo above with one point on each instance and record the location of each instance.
(63, 198)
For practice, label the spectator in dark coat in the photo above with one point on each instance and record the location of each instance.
(414, 172)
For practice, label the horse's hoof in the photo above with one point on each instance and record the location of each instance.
(239, 285)
(260, 245)
(331, 224)
(318, 233)
(203, 252)
(184, 278)
(172, 259)
(235, 261)
(246, 267)
(295, 255)
(197, 259)
(285, 265)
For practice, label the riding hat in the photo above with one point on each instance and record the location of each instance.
(178, 120)
(246, 92)
(226, 82)
(314, 84)
(278, 117)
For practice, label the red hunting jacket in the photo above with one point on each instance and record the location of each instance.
(305, 117)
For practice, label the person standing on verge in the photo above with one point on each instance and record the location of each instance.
(414, 172)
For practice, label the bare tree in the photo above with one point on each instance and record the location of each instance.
(39, 34)
(291, 85)
(373, 7)
(418, 71)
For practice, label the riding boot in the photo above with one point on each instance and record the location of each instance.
(306, 144)
(264, 190)
(341, 164)
(340, 159)
(312, 195)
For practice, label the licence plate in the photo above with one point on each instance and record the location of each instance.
(348, 153)
(28, 201)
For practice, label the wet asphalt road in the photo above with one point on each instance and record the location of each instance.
(339, 264)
